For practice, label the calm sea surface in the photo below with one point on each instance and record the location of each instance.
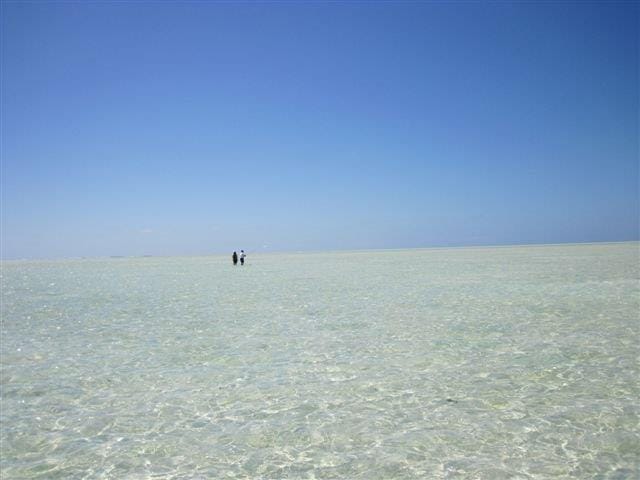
(486, 363)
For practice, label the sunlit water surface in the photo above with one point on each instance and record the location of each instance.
(486, 363)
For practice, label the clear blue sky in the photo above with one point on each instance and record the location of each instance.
(164, 128)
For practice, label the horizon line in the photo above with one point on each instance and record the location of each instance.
(352, 250)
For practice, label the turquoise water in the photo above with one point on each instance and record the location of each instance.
(487, 363)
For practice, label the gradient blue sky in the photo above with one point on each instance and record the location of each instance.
(164, 128)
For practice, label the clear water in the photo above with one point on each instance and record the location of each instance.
(486, 363)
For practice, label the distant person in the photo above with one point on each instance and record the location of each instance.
(242, 255)
(234, 257)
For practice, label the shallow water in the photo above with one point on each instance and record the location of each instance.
(490, 363)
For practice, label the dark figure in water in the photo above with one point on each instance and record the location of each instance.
(234, 257)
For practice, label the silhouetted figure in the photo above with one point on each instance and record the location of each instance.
(242, 255)
(234, 257)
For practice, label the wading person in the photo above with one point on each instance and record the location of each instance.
(234, 257)
(242, 255)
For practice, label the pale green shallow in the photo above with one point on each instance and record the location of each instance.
(487, 363)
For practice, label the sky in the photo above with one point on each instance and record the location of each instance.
(188, 128)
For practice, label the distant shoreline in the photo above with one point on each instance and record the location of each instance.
(315, 252)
